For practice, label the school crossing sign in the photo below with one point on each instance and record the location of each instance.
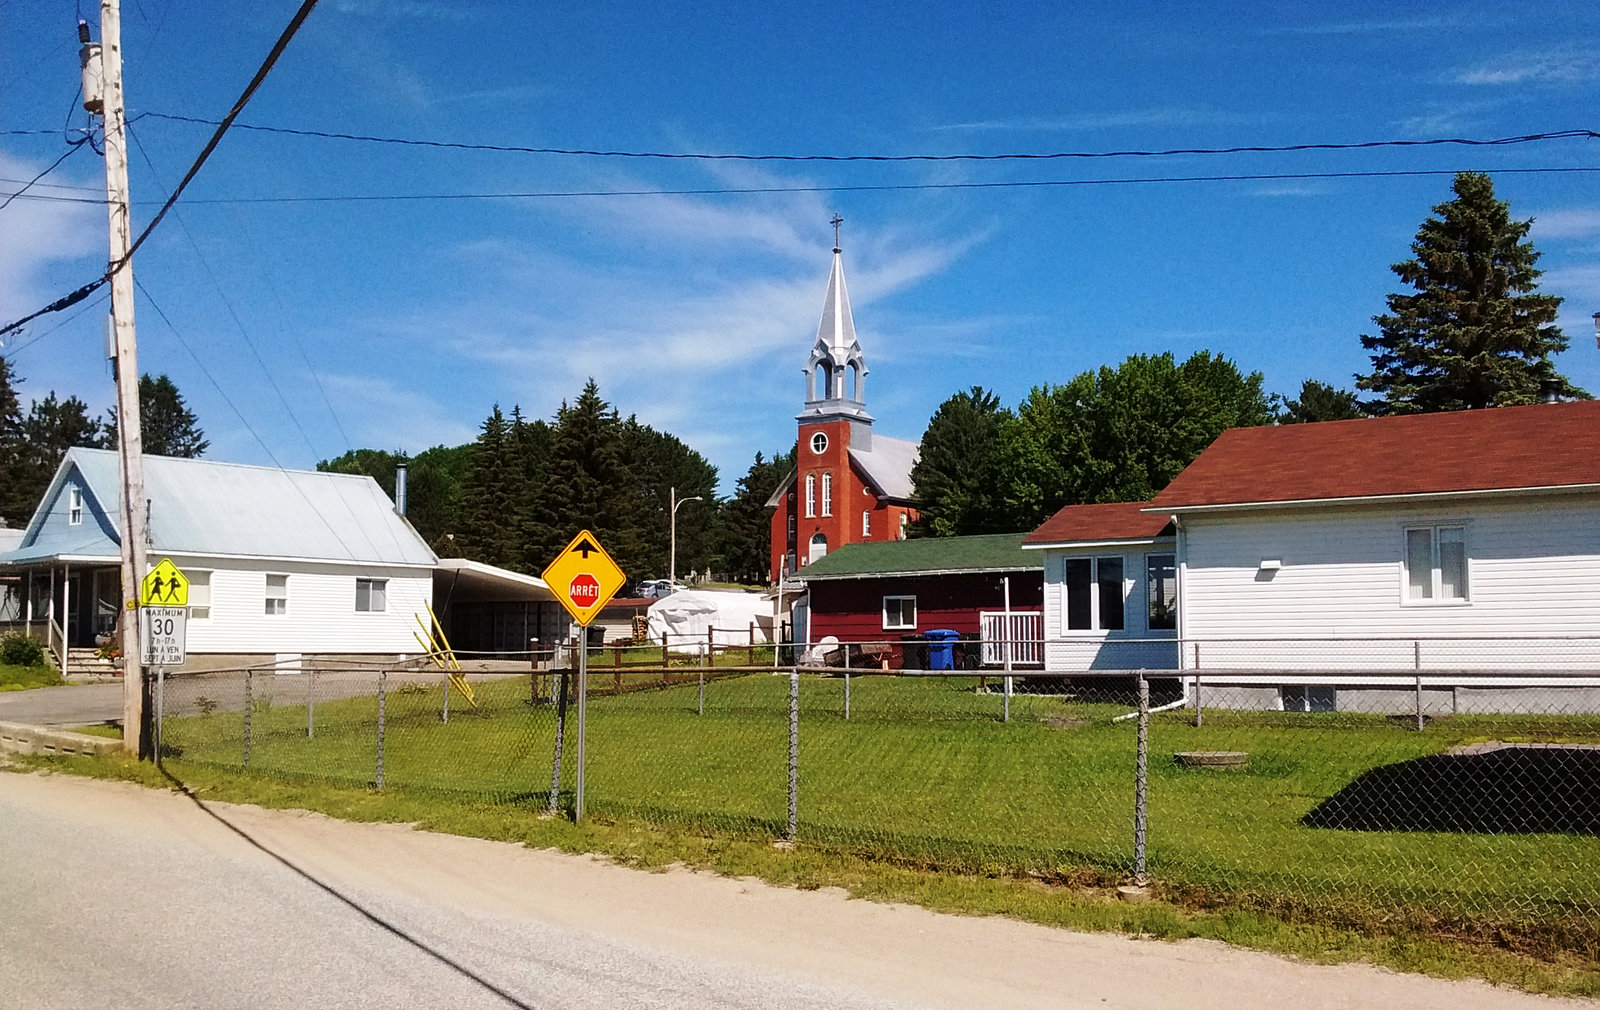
(584, 578)
(163, 616)
(164, 586)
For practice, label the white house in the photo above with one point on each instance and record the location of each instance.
(1110, 588)
(1358, 553)
(281, 563)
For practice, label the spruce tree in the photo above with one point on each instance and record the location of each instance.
(167, 427)
(1476, 333)
(745, 523)
(15, 508)
(1319, 401)
(591, 485)
(488, 530)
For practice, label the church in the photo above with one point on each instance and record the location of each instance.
(850, 485)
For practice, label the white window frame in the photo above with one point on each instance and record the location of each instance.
(74, 506)
(811, 495)
(900, 613)
(269, 599)
(866, 524)
(1436, 597)
(382, 585)
(827, 493)
(199, 594)
(819, 443)
(1096, 625)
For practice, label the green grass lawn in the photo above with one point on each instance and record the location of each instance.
(21, 678)
(924, 773)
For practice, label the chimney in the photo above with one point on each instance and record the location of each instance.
(400, 488)
(1549, 391)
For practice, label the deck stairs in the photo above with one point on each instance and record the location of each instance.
(88, 664)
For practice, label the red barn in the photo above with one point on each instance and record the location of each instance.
(885, 592)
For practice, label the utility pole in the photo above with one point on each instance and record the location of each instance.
(103, 94)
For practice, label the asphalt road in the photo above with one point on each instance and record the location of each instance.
(72, 705)
(115, 896)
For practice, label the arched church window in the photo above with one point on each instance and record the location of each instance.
(811, 495)
(819, 548)
(827, 494)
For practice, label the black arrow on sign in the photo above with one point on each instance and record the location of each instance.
(585, 547)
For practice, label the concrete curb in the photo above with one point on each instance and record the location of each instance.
(19, 738)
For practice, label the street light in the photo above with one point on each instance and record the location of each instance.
(672, 561)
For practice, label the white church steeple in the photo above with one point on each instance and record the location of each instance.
(836, 374)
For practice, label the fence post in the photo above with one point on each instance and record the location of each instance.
(383, 682)
(446, 710)
(161, 708)
(847, 692)
(558, 682)
(794, 753)
(311, 701)
(702, 708)
(1199, 707)
(1416, 664)
(1141, 786)
(249, 710)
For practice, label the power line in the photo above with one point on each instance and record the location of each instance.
(862, 188)
(83, 292)
(1526, 138)
(71, 149)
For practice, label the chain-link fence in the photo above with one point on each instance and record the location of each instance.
(1464, 800)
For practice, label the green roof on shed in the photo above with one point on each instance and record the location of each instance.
(997, 552)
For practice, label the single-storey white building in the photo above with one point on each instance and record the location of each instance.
(1457, 543)
(1110, 588)
(281, 563)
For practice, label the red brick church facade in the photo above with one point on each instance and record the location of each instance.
(849, 484)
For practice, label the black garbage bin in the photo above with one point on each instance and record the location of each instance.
(913, 652)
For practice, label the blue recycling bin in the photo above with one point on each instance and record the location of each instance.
(942, 649)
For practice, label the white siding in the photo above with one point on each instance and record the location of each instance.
(322, 616)
(1133, 648)
(1533, 571)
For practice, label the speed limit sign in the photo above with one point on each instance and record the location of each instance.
(163, 635)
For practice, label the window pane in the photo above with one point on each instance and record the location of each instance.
(1452, 563)
(1077, 583)
(1110, 594)
(380, 594)
(363, 594)
(1419, 563)
(1161, 582)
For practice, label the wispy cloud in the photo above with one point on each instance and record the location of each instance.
(1566, 65)
(413, 9)
(1567, 223)
(37, 234)
(1383, 26)
(1109, 119)
(391, 416)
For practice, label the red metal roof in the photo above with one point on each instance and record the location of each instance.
(1501, 448)
(1097, 523)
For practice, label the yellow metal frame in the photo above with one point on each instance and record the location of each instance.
(437, 648)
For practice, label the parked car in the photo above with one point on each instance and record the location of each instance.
(655, 589)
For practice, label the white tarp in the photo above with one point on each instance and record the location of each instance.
(684, 618)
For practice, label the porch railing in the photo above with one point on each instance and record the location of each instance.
(56, 641)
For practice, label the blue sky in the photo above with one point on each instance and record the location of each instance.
(399, 324)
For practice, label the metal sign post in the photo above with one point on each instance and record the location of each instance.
(584, 578)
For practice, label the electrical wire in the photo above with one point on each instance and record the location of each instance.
(72, 148)
(863, 188)
(1527, 138)
(150, 300)
(228, 304)
(83, 292)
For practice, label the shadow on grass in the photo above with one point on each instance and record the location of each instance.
(1506, 790)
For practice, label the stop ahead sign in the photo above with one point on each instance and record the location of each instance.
(584, 578)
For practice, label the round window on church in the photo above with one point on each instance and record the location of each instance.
(819, 443)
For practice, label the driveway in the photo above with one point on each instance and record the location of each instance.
(72, 705)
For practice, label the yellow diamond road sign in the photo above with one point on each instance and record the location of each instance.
(584, 578)
(164, 586)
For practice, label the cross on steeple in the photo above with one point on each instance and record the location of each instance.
(836, 222)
